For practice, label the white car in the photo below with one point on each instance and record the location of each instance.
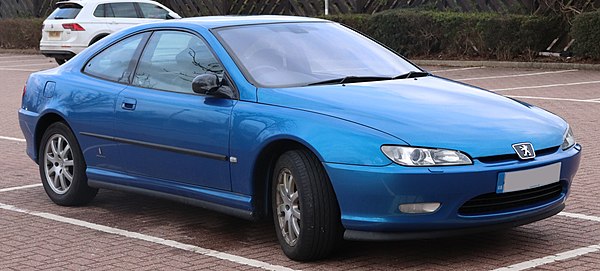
(77, 24)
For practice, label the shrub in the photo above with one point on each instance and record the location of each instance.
(423, 33)
(586, 32)
(22, 33)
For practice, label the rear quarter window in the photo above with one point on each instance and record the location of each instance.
(65, 13)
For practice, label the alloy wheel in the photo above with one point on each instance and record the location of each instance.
(59, 164)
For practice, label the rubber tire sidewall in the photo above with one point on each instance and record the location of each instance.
(79, 193)
(308, 247)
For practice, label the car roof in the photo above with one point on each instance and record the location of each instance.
(236, 20)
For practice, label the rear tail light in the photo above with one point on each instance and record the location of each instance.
(24, 90)
(73, 27)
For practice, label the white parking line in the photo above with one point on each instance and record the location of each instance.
(548, 86)
(19, 56)
(12, 138)
(594, 99)
(148, 238)
(19, 70)
(27, 65)
(580, 216)
(20, 187)
(515, 75)
(550, 259)
(553, 99)
(461, 69)
(26, 60)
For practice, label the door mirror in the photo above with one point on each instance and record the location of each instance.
(209, 84)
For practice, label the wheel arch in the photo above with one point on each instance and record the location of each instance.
(262, 171)
(97, 38)
(42, 125)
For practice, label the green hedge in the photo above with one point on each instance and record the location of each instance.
(586, 32)
(428, 33)
(20, 33)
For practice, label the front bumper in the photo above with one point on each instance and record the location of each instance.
(369, 197)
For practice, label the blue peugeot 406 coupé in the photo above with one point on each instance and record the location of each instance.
(327, 131)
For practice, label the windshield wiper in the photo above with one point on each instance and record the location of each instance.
(411, 74)
(350, 79)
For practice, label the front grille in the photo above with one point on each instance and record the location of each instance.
(514, 156)
(494, 203)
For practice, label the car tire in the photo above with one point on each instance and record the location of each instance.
(60, 61)
(302, 197)
(62, 167)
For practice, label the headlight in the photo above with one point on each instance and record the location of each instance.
(568, 139)
(409, 156)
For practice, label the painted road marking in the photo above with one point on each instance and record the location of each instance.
(551, 259)
(461, 69)
(20, 187)
(553, 99)
(148, 238)
(594, 99)
(27, 65)
(515, 75)
(548, 86)
(26, 60)
(12, 138)
(580, 216)
(19, 70)
(19, 56)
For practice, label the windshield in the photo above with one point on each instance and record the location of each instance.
(300, 54)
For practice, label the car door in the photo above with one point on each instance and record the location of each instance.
(169, 132)
(96, 91)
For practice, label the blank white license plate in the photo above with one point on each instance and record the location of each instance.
(526, 179)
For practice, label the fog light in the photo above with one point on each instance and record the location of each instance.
(419, 208)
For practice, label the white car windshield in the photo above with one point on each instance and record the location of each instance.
(300, 54)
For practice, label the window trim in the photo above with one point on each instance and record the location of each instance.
(136, 55)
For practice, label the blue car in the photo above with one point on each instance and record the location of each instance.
(303, 120)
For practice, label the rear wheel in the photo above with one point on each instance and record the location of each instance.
(305, 209)
(62, 167)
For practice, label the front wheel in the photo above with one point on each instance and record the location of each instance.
(305, 209)
(62, 167)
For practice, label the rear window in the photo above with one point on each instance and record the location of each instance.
(65, 12)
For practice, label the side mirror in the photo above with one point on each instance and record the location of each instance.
(208, 84)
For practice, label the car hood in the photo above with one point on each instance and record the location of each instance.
(430, 112)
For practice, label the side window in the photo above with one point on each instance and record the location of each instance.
(152, 11)
(103, 10)
(172, 59)
(113, 63)
(124, 10)
(99, 12)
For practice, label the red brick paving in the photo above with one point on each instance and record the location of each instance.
(28, 242)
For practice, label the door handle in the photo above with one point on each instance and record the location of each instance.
(128, 104)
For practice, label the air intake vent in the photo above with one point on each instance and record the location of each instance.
(497, 203)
